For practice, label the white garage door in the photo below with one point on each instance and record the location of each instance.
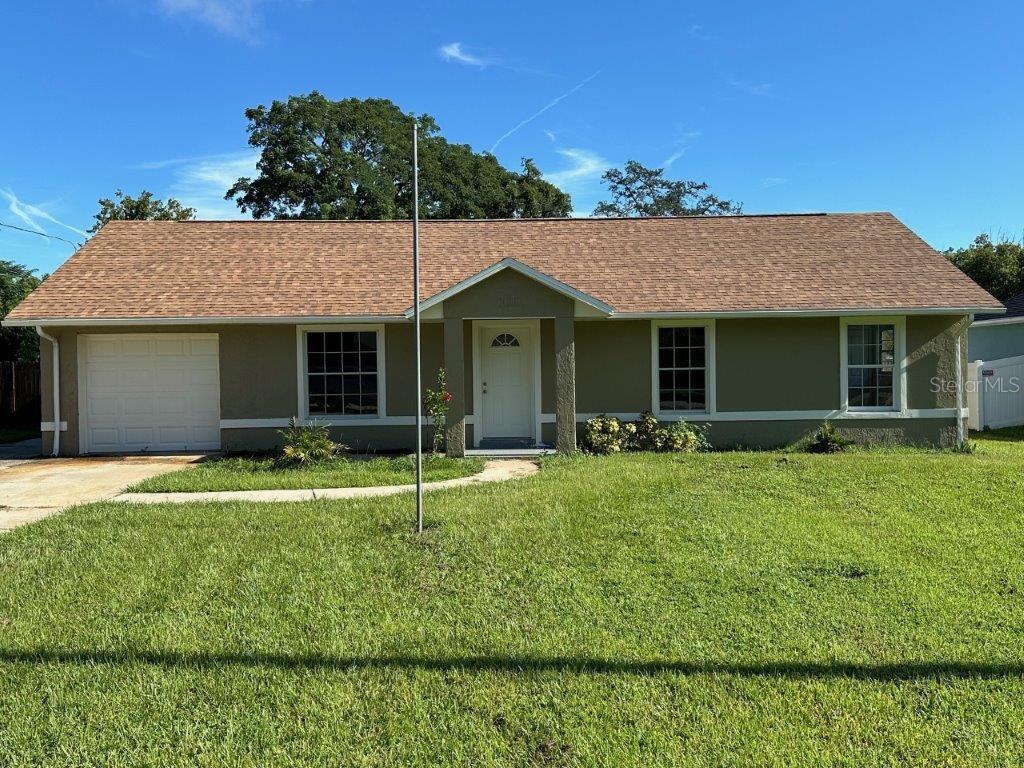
(150, 392)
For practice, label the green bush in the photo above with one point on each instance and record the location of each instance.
(679, 437)
(682, 437)
(606, 434)
(307, 443)
(828, 440)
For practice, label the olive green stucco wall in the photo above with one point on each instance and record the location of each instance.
(762, 365)
(508, 294)
(399, 352)
(613, 366)
(931, 354)
(786, 364)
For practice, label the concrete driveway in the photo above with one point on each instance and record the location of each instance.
(36, 488)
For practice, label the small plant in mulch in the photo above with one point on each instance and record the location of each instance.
(307, 443)
(828, 440)
(437, 402)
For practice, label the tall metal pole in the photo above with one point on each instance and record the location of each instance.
(416, 322)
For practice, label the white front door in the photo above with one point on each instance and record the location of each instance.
(149, 392)
(506, 386)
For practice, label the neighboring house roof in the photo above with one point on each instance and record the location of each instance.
(297, 269)
(1014, 312)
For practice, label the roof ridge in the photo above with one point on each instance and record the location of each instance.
(574, 219)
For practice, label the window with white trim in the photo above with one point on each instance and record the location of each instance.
(870, 366)
(682, 368)
(342, 373)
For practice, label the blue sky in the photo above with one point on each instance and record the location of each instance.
(915, 108)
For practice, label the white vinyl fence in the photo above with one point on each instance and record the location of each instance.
(995, 396)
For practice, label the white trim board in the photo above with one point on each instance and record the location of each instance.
(47, 426)
(998, 321)
(227, 320)
(698, 418)
(819, 415)
(607, 315)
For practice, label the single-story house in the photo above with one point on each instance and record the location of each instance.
(203, 335)
(998, 336)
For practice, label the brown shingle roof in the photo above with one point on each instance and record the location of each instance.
(265, 269)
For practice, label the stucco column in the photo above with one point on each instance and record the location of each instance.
(565, 384)
(454, 366)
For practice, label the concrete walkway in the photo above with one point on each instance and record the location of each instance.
(34, 489)
(493, 471)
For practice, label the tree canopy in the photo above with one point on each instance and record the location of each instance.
(350, 159)
(16, 282)
(640, 191)
(127, 208)
(998, 267)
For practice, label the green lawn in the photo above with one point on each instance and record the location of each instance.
(723, 609)
(258, 473)
(17, 434)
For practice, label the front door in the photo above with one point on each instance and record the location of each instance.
(506, 383)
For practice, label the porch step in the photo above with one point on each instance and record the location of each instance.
(510, 453)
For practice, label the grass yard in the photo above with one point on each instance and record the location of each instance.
(723, 609)
(241, 473)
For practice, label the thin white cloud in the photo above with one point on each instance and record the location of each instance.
(550, 134)
(234, 18)
(668, 161)
(683, 143)
(201, 182)
(581, 179)
(773, 181)
(30, 215)
(585, 165)
(454, 52)
(542, 110)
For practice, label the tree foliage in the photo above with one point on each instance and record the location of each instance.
(16, 282)
(640, 191)
(350, 159)
(144, 207)
(998, 267)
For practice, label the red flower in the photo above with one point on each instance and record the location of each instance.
(447, 397)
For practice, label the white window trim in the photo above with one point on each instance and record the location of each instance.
(899, 385)
(301, 360)
(709, 365)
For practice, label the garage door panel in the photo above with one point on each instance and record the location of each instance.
(172, 346)
(102, 406)
(173, 376)
(172, 407)
(173, 435)
(134, 407)
(138, 435)
(137, 346)
(150, 392)
(103, 347)
(204, 377)
(204, 347)
(102, 378)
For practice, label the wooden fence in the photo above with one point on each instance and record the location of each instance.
(19, 394)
